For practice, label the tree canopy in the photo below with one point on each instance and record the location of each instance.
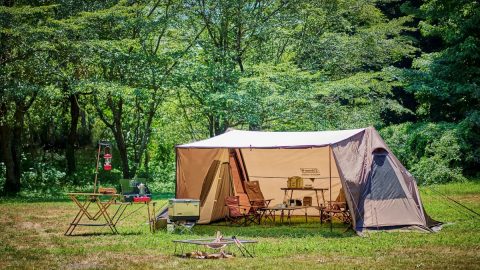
(148, 75)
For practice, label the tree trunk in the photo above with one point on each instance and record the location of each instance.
(72, 135)
(12, 184)
(122, 150)
(119, 138)
(146, 163)
(211, 125)
(142, 150)
(17, 139)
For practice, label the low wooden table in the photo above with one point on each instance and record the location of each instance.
(319, 205)
(99, 215)
(272, 212)
(322, 191)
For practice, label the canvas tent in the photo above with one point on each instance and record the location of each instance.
(379, 191)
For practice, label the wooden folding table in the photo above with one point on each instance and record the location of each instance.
(95, 208)
(316, 190)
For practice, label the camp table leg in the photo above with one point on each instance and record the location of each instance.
(323, 203)
(151, 216)
(103, 212)
(83, 206)
(316, 196)
(154, 218)
(107, 205)
(81, 212)
(289, 219)
(318, 204)
(119, 213)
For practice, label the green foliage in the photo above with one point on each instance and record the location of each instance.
(342, 38)
(446, 82)
(432, 152)
(275, 97)
(148, 75)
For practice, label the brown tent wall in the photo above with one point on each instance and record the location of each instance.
(355, 160)
(270, 167)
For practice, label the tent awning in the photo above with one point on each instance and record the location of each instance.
(260, 139)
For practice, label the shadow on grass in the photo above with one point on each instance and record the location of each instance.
(105, 234)
(294, 230)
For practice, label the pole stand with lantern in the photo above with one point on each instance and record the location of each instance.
(101, 207)
(105, 147)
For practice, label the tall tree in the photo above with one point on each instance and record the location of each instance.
(233, 27)
(130, 66)
(446, 78)
(25, 46)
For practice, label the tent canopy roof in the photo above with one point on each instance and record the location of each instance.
(260, 139)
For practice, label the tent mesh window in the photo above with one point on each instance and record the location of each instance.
(383, 183)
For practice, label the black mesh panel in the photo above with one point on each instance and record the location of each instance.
(383, 184)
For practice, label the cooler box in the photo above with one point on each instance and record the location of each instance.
(142, 199)
(183, 209)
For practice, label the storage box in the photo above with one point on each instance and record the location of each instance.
(160, 224)
(307, 201)
(295, 182)
(294, 202)
(183, 209)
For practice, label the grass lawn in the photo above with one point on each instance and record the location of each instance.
(31, 236)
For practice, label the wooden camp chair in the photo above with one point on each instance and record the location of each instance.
(239, 214)
(257, 200)
(336, 209)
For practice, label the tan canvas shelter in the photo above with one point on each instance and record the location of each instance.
(379, 191)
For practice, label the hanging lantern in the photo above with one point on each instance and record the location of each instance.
(107, 166)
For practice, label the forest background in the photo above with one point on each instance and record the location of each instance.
(147, 75)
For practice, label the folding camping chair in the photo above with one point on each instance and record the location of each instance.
(125, 186)
(336, 209)
(258, 201)
(239, 214)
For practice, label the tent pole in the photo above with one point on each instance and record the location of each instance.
(330, 188)
(96, 168)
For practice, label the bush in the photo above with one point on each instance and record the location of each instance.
(44, 178)
(433, 152)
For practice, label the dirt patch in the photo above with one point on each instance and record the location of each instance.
(29, 226)
(85, 265)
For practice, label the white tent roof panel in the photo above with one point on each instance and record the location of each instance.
(260, 139)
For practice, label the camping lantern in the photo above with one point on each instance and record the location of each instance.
(107, 166)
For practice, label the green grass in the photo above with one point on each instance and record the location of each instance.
(31, 236)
